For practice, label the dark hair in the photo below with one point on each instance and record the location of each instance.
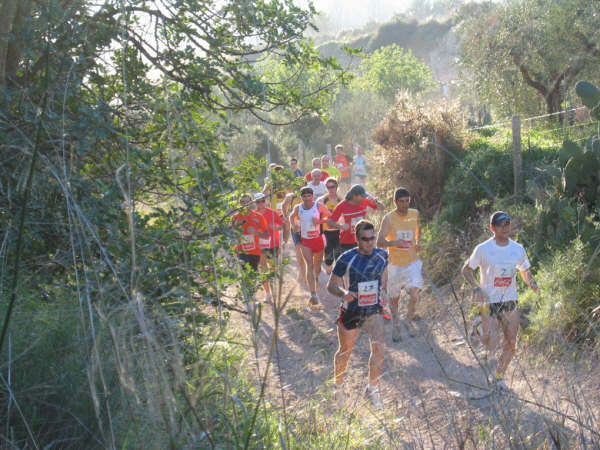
(306, 190)
(330, 179)
(400, 193)
(294, 159)
(363, 225)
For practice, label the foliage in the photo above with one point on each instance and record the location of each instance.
(391, 69)
(519, 47)
(415, 147)
(570, 280)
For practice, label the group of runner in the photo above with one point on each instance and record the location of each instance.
(367, 269)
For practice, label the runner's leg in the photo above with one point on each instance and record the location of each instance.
(301, 264)
(310, 270)
(375, 329)
(510, 327)
(346, 339)
(317, 259)
(412, 302)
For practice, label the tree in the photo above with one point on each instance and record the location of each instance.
(391, 69)
(529, 46)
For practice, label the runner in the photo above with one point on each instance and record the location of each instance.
(291, 201)
(332, 236)
(294, 168)
(400, 232)
(352, 209)
(360, 166)
(316, 184)
(498, 258)
(332, 171)
(307, 218)
(269, 247)
(359, 278)
(341, 162)
(316, 164)
(254, 227)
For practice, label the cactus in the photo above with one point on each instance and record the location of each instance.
(590, 96)
(580, 176)
(568, 150)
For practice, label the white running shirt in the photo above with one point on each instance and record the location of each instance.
(498, 265)
(308, 230)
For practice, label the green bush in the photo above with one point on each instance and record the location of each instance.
(570, 288)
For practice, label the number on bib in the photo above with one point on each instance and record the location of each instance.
(367, 292)
(406, 236)
(264, 243)
(503, 275)
(248, 242)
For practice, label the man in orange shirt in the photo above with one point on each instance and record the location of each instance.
(253, 227)
(341, 163)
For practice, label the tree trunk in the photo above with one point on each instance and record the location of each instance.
(554, 101)
(15, 50)
(7, 16)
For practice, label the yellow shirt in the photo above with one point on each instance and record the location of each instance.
(330, 206)
(277, 200)
(402, 227)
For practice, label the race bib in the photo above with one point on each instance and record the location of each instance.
(248, 242)
(312, 234)
(503, 275)
(354, 221)
(406, 236)
(264, 243)
(367, 292)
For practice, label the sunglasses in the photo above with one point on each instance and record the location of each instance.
(367, 239)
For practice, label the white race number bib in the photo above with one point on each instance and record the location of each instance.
(503, 275)
(406, 236)
(248, 242)
(367, 292)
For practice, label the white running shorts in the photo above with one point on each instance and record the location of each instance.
(406, 277)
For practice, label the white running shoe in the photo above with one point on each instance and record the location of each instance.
(374, 397)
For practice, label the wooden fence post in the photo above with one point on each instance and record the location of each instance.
(517, 155)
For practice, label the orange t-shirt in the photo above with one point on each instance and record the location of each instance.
(249, 243)
(341, 162)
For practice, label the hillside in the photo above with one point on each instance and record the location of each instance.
(435, 42)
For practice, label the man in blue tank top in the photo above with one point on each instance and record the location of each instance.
(359, 279)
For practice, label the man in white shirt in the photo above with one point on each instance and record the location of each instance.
(498, 260)
(318, 187)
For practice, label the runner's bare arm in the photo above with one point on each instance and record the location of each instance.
(334, 287)
(418, 236)
(324, 213)
(294, 219)
(382, 242)
(384, 282)
(380, 206)
(469, 275)
(529, 281)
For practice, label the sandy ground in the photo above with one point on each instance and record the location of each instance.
(435, 391)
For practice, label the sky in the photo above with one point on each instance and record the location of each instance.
(356, 13)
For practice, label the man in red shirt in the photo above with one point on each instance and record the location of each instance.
(316, 164)
(254, 228)
(353, 208)
(269, 247)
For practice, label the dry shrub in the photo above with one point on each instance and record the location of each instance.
(415, 145)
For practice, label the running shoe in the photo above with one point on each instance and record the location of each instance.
(386, 316)
(374, 397)
(411, 328)
(314, 300)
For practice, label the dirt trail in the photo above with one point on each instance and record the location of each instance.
(428, 385)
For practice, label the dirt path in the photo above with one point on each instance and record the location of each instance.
(430, 381)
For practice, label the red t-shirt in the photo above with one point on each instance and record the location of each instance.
(324, 175)
(273, 219)
(249, 243)
(352, 214)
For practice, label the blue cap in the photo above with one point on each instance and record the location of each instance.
(499, 217)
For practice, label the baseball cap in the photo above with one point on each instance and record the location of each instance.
(498, 217)
(356, 189)
(258, 196)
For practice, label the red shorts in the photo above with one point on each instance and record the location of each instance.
(316, 245)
